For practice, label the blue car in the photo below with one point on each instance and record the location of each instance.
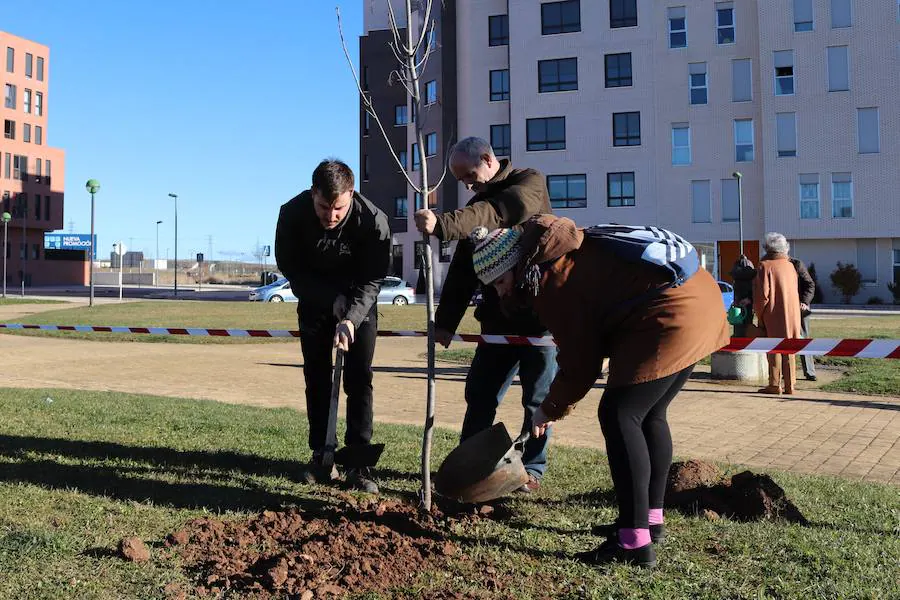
(727, 293)
(279, 291)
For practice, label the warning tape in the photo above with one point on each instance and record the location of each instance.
(808, 347)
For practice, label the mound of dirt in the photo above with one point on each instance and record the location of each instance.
(369, 547)
(696, 487)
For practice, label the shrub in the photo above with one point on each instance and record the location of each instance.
(847, 280)
(817, 295)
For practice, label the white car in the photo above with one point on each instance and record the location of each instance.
(393, 291)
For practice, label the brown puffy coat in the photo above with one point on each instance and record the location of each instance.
(776, 297)
(581, 286)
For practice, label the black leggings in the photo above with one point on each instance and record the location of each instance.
(639, 444)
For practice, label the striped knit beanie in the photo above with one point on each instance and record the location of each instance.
(496, 252)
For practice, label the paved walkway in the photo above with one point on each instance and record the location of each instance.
(813, 431)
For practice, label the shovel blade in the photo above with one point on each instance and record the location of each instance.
(359, 456)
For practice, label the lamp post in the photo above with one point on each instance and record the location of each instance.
(5, 218)
(92, 186)
(156, 256)
(737, 175)
(175, 197)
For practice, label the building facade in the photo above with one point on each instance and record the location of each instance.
(643, 113)
(32, 173)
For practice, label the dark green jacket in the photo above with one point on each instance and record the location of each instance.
(512, 197)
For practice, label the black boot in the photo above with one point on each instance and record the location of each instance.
(316, 471)
(361, 479)
(657, 532)
(611, 552)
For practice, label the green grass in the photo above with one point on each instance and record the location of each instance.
(8, 300)
(84, 469)
(212, 315)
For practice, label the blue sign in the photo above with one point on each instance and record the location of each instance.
(69, 241)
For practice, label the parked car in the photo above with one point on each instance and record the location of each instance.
(396, 291)
(727, 294)
(279, 291)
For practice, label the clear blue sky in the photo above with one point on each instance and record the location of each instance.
(228, 103)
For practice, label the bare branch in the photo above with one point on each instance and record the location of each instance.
(446, 157)
(424, 32)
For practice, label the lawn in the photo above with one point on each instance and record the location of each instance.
(10, 300)
(81, 470)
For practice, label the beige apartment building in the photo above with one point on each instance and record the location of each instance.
(640, 112)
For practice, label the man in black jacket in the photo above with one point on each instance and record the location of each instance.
(504, 197)
(807, 289)
(334, 247)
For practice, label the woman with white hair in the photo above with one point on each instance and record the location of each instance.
(776, 302)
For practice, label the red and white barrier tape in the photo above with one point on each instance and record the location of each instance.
(813, 347)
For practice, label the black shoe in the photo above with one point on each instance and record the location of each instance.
(315, 471)
(611, 552)
(811, 378)
(657, 532)
(361, 479)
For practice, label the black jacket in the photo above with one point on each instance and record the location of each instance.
(805, 283)
(351, 259)
(512, 197)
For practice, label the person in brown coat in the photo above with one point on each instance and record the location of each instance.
(776, 302)
(505, 196)
(585, 294)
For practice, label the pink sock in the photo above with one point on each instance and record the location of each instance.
(633, 538)
(656, 516)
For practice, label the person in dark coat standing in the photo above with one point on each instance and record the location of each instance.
(334, 246)
(807, 289)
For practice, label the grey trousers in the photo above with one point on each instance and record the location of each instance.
(808, 362)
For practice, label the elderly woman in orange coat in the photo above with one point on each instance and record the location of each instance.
(776, 302)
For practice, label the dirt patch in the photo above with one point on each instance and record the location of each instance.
(370, 546)
(133, 549)
(697, 487)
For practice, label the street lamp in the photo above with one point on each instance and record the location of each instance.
(737, 175)
(156, 256)
(5, 218)
(175, 196)
(92, 186)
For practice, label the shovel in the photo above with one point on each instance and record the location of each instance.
(351, 457)
(485, 467)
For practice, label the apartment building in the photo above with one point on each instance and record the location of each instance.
(642, 112)
(32, 173)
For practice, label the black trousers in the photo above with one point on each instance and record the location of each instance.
(639, 444)
(317, 344)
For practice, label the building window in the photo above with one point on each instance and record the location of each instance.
(867, 130)
(47, 171)
(416, 159)
(20, 167)
(400, 210)
(432, 199)
(841, 196)
(620, 189)
(498, 30)
(627, 129)
(701, 208)
(431, 92)
(784, 73)
(9, 131)
(401, 113)
(500, 140)
(809, 196)
(841, 13)
(397, 259)
(29, 65)
(446, 254)
(803, 15)
(365, 167)
(786, 134)
(725, 23)
(37, 207)
(558, 75)
(366, 123)
(622, 13)
(40, 69)
(39, 104)
(37, 170)
(10, 97)
(26, 132)
(896, 266)
(681, 144)
(365, 78)
(743, 140)
(838, 69)
(419, 254)
(10, 60)
(699, 84)
(431, 144)
(7, 161)
(567, 191)
(545, 134)
(867, 260)
(404, 159)
(741, 80)
(26, 100)
(499, 85)
(560, 17)
(677, 27)
(47, 207)
(731, 206)
(618, 70)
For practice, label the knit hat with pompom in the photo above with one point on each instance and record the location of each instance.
(496, 252)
